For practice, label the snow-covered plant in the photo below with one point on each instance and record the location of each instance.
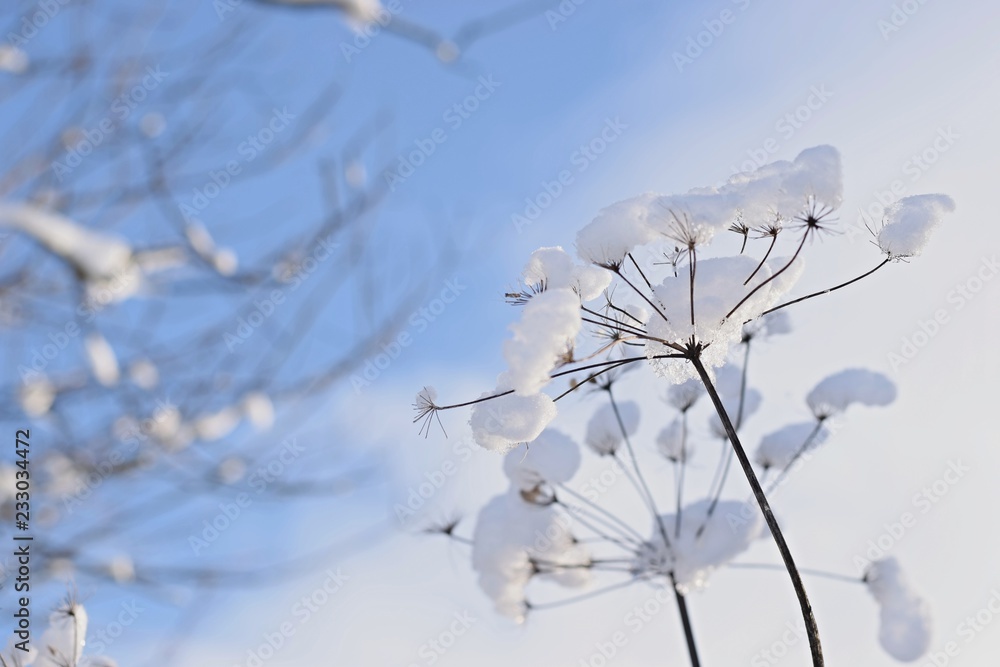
(61, 645)
(662, 285)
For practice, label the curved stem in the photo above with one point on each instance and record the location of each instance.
(774, 239)
(771, 279)
(827, 291)
(779, 539)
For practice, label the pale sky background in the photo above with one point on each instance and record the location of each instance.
(890, 97)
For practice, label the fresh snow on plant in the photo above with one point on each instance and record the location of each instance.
(671, 442)
(504, 422)
(549, 323)
(259, 410)
(705, 542)
(144, 374)
(36, 395)
(780, 448)
(837, 392)
(554, 268)
(909, 223)
(553, 458)
(604, 433)
(717, 289)
(61, 645)
(102, 359)
(691, 307)
(99, 259)
(516, 540)
(904, 617)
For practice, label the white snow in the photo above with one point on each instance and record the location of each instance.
(102, 359)
(910, 222)
(549, 323)
(217, 425)
(729, 532)
(617, 230)
(502, 423)
(685, 394)
(102, 260)
(728, 381)
(604, 433)
(718, 288)
(36, 395)
(904, 617)
(671, 442)
(510, 533)
(144, 374)
(199, 238)
(62, 642)
(259, 410)
(554, 268)
(781, 190)
(13, 59)
(225, 261)
(835, 393)
(777, 449)
(552, 458)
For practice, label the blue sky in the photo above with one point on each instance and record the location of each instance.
(880, 95)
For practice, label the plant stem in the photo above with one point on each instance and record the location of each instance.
(827, 291)
(686, 622)
(765, 508)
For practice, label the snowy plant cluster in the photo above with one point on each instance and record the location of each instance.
(60, 645)
(686, 285)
